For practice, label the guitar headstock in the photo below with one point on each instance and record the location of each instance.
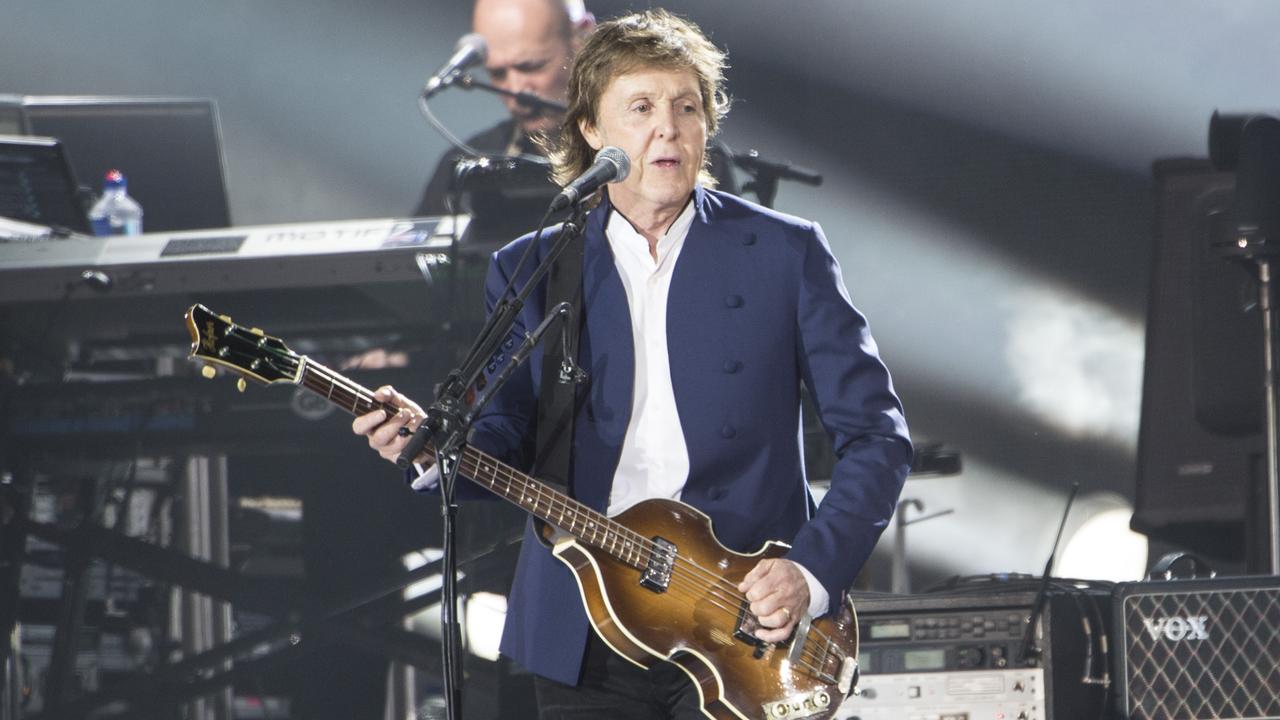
(216, 340)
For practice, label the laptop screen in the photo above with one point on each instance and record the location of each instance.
(37, 185)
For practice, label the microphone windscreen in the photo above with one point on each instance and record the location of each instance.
(477, 44)
(619, 158)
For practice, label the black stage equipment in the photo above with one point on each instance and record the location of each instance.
(1200, 446)
(87, 377)
(1250, 145)
(170, 149)
(504, 196)
(766, 173)
(38, 186)
(1198, 649)
(958, 655)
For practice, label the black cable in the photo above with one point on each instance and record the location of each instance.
(1104, 645)
(1079, 593)
(528, 252)
(503, 299)
(1074, 593)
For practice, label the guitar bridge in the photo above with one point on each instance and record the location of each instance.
(657, 572)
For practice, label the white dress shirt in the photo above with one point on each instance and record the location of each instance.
(655, 459)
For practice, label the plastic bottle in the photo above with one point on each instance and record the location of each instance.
(116, 213)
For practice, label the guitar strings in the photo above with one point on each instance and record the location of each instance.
(718, 589)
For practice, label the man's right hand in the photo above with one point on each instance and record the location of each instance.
(383, 429)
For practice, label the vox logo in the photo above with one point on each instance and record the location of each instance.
(1177, 628)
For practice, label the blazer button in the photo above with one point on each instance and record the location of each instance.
(733, 301)
(728, 432)
(732, 366)
(749, 239)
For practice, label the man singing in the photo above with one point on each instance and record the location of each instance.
(703, 316)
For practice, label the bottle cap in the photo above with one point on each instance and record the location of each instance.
(115, 179)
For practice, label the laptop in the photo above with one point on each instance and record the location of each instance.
(37, 185)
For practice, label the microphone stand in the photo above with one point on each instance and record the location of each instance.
(537, 102)
(765, 175)
(1030, 652)
(448, 420)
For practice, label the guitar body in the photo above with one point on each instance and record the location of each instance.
(694, 621)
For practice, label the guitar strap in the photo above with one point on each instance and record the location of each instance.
(557, 400)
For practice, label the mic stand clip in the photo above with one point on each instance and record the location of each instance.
(528, 99)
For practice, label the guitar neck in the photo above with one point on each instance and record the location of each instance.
(534, 496)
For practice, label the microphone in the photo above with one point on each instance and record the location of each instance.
(470, 50)
(611, 165)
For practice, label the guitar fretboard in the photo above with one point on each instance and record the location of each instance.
(536, 497)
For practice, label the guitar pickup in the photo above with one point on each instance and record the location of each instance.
(657, 572)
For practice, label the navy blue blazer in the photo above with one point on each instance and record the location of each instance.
(756, 307)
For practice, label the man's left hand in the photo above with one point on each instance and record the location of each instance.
(778, 594)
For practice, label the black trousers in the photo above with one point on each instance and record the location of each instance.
(615, 689)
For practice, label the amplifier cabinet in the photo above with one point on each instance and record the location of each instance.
(1192, 649)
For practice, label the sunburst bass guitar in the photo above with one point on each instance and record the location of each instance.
(655, 582)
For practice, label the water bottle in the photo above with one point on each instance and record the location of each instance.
(116, 213)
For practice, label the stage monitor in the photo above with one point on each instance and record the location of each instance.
(170, 149)
(38, 186)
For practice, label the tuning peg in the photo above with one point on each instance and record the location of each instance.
(225, 318)
(209, 371)
(257, 331)
(241, 384)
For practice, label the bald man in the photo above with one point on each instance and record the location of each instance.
(530, 45)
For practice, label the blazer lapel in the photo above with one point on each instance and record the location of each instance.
(607, 351)
(697, 334)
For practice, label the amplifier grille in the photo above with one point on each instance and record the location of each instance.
(1205, 654)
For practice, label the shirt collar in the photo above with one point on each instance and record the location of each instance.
(623, 236)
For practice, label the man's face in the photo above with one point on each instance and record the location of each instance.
(656, 116)
(529, 51)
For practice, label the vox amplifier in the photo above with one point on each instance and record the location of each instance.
(1192, 649)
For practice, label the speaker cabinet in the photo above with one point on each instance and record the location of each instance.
(1200, 446)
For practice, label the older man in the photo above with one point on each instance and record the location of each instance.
(703, 316)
